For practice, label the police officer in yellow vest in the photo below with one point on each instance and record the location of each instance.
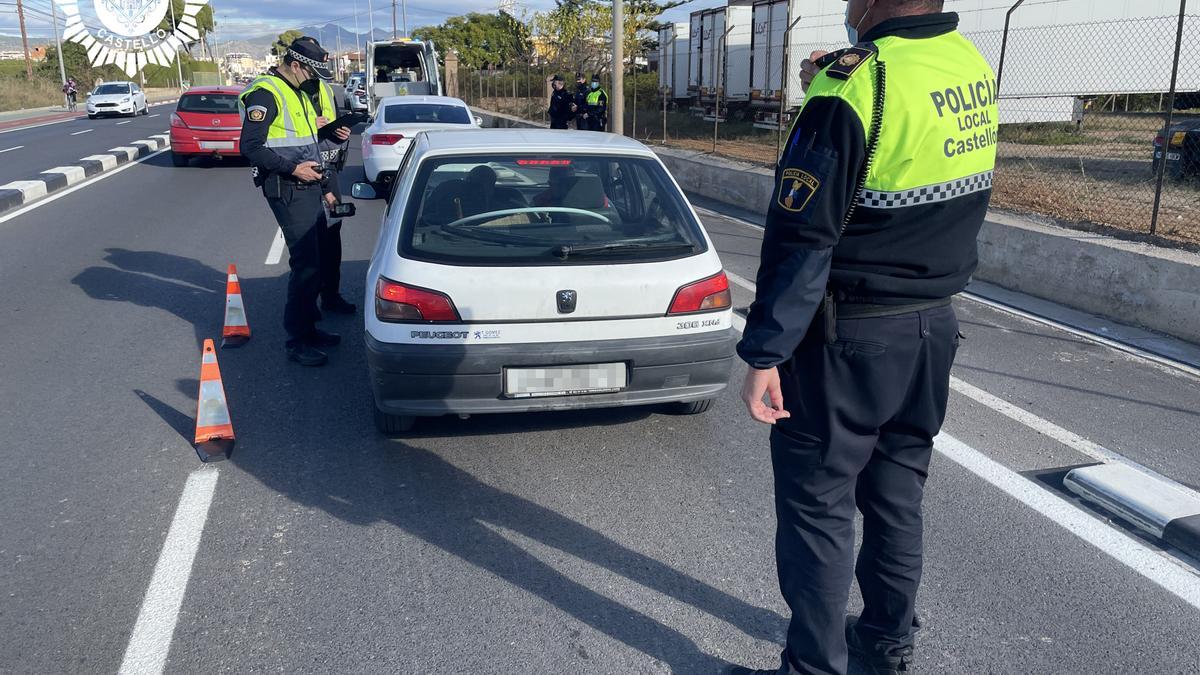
(879, 196)
(280, 137)
(597, 106)
(333, 154)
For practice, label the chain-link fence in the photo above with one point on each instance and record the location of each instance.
(1099, 121)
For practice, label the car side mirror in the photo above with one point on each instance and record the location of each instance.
(363, 191)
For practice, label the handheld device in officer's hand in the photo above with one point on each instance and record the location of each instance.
(349, 120)
(342, 210)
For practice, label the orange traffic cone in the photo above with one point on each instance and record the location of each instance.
(237, 330)
(214, 431)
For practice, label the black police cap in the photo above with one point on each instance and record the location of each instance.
(556, 78)
(308, 51)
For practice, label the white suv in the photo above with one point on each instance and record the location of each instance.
(521, 270)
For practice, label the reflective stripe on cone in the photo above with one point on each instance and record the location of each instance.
(237, 328)
(214, 429)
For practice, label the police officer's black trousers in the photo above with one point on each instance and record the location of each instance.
(300, 215)
(864, 412)
(559, 123)
(330, 243)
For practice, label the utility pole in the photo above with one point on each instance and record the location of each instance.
(616, 99)
(24, 41)
(404, 12)
(62, 70)
(357, 37)
(393, 19)
(178, 56)
(371, 19)
(338, 64)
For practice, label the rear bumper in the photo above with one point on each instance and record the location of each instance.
(187, 142)
(426, 380)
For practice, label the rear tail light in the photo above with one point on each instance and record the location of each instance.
(1158, 141)
(706, 295)
(177, 121)
(386, 139)
(398, 303)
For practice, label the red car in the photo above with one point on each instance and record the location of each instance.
(206, 123)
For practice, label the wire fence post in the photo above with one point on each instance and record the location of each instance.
(1004, 43)
(719, 81)
(667, 91)
(783, 83)
(1166, 146)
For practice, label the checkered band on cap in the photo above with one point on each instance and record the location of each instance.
(306, 60)
(928, 194)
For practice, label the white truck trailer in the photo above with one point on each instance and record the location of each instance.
(673, 61)
(401, 67)
(720, 59)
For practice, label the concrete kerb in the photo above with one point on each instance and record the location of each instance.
(21, 193)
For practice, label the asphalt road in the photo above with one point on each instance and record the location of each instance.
(625, 541)
(25, 152)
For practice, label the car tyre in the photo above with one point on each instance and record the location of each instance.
(393, 424)
(690, 407)
(91, 116)
(179, 160)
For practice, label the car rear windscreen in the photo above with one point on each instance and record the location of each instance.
(546, 210)
(214, 104)
(429, 113)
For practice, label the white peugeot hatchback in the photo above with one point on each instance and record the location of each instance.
(521, 270)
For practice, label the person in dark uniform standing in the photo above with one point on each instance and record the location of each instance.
(280, 137)
(597, 106)
(880, 194)
(580, 109)
(561, 104)
(333, 155)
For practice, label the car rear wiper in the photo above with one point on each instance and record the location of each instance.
(580, 250)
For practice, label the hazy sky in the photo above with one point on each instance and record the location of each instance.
(267, 17)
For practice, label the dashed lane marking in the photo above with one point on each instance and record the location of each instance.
(15, 147)
(150, 642)
(125, 122)
(85, 131)
(276, 251)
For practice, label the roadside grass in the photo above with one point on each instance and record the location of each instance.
(17, 93)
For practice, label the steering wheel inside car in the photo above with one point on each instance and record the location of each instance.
(493, 215)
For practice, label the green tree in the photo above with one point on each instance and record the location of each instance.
(579, 32)
(204, 18)
(284, 41)
(481, 40)
(77, 65)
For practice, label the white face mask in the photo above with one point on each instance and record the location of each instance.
(852, 31)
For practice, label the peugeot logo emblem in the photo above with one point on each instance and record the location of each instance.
(216, 122)
(566, 301)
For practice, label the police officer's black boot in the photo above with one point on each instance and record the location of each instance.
(306, 354)
(894, 661)
(319, 338)
(338, 305)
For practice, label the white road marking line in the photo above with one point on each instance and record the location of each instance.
(741, 281)
(64, 193)
(152, 634)
(153, 116)
(1043, 426)
(1159, 567)
(276, 251)
(15, 147)
(85, 131)
(1151, 564)
(735, 219)
(43, 124)
(125, 122)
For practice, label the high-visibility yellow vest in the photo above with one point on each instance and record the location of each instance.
(593, 97)
(931, 127)
(293, 132)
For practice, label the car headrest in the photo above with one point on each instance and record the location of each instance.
(586, 193)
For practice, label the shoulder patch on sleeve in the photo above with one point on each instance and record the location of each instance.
(796, 188)
(256, 113)
(849, 60)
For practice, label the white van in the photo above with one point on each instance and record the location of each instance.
(399, 68)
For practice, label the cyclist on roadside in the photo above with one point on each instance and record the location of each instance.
(71, 90)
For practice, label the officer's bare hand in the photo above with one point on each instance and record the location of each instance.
(330, 199)
(342, 133)
(306, 171)
(322, 121)
(762, 384)
(809, 69)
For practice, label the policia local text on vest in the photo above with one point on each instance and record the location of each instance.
(880, 194)
(280, 138)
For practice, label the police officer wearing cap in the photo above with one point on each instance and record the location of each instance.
(280, 138)
(580, 107)
(333, 155)
(562, 102)
(879, 196)
(597, 106)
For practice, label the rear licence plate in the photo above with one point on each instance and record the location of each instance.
(564, 380)
(216, 145)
